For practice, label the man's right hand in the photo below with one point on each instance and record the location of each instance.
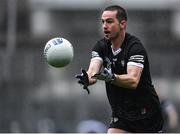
(83, 79)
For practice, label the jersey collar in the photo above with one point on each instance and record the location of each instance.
(116, 52)
(120, 49)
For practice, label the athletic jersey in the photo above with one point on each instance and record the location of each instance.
(131, 104)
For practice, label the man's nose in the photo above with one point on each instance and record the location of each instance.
(105, 26)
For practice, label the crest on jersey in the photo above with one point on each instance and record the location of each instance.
(122, 63)
(107, 60)
(109, 63)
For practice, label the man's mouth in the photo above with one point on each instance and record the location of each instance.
(106, 32)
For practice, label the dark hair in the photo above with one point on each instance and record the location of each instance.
(121, 12)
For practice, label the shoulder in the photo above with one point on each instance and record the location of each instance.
(102, 44)
(133, 42)
(100, 48)
(131, 39)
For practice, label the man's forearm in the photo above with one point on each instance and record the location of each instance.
(125, 80)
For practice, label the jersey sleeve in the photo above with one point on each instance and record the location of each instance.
(137, 55)
(97, 52)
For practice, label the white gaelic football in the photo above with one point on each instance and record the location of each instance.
(58, 52)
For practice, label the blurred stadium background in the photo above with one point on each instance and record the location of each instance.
(35, 97)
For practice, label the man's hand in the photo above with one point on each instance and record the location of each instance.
(83, 79)
(106, 75)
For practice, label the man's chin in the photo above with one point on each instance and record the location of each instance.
(107, 37)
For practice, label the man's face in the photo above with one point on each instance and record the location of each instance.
(110, 24)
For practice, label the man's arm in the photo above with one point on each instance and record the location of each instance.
(85, 77)
(94, 68)
(129, 80)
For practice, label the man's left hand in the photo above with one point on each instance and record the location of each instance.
(106, 75)
(83, 79)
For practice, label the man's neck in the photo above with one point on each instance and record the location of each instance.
(117, 43)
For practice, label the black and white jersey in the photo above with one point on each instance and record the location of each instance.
(131, 104)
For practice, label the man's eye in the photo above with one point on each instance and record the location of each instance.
(109, 21)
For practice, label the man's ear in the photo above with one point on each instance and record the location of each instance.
(123, 24)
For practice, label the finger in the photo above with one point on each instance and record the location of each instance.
(86, 88)
(88, 91)
(78, 76)
(81, 82)
(83, 71)
(105, 69)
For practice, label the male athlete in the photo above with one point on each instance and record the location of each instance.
(123, 59)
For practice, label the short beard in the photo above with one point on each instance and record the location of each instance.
(114, 37)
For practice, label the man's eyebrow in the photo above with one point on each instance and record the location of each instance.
(107, 19)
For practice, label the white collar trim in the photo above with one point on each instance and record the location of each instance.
(116, 52)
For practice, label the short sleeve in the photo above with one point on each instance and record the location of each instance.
(97, 52)
(137, 55)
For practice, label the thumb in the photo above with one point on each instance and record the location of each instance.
(78, 76)
(106, 71)
(83, 71)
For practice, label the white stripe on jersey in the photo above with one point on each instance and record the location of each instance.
(94, 54)
(135, 64)
(137, 58)
(97, 58)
